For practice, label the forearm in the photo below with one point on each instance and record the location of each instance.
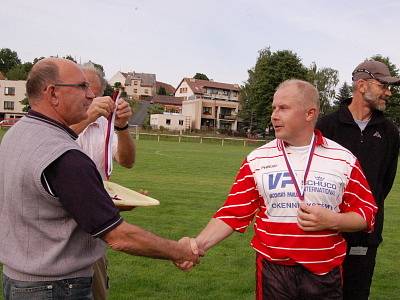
(126, 150)
(215, 231)
(79, 127)
(134, 240)
(349, 222)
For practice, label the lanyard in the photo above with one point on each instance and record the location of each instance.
(300, 188)
(108, 157)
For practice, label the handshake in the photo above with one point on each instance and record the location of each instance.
(190, 254)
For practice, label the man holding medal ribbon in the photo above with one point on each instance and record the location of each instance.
(303, 190)
(101, 143)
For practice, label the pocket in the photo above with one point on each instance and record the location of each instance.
(80, 288)
(32, 293)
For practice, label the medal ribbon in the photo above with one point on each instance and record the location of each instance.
(300, 191)
(108, 159)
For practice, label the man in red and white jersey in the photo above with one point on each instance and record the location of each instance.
(303, 190)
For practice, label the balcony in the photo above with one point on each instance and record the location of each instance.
(232, 117)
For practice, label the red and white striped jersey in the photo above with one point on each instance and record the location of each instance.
(264, 189)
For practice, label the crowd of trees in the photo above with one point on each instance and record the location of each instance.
(272, 68)
(257, 92)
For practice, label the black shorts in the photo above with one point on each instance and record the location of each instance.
(280, 282)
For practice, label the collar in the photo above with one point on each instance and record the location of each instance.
(345, 115)
(319, 140)
(38, 116)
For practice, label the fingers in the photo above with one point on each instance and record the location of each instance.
(100, 106)
(191, 258)
(123, 113)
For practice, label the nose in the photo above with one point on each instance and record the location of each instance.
(388, 92)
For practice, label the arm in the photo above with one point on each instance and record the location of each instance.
(100, 106)
(215, 231)
(316, 218)
(390, 173)
(134, 240)
(126, 150)
(357, 210)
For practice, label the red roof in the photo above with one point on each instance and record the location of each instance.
(166, 100)
(199, 86)
(168, 88)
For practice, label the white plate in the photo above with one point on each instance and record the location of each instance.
(123, 196)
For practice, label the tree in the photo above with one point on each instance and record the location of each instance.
(325, 80)
(8, 60)
(117, 85)
(201, 76)
(70, 58)
(108, 90)
(25, 103)
(37, 59)
(153, 109)
(393, 105)
(19, 72)
(257, 93)
(345, 92)
(161, 91)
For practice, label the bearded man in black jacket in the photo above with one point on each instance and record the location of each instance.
(360, 126)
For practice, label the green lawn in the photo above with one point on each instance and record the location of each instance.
(191, 181)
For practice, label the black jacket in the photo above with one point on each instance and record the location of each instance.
(377, 149)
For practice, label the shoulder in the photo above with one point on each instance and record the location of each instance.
(270, 148)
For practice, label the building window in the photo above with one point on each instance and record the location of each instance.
(180, 122)
(206, 110)
(9, 105)
(135, 91)
(135, 82)
(168, 121)
(183, 90)
(146, 91)
(9, 91)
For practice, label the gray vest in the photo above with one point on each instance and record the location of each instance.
(39, 240)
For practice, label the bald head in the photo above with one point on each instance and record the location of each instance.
(44, 72)
(307, 93)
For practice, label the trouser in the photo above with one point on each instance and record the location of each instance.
(100, 279)
(357, 274)
(71, 289)
(280, 282)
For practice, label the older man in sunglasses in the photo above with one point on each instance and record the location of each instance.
(360, 126)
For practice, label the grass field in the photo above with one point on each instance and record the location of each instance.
(191, 181)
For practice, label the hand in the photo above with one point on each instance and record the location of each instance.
(315, 218)
(124, 112)
(195, 252)
(100, 106)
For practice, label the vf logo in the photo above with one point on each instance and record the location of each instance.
(279, 180)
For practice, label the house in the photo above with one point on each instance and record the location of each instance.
(170, 121)
(170, 103)
(210, 105)
(138, 86)
(11, 93)
(169, 89)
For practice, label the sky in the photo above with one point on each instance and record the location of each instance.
(220, 38)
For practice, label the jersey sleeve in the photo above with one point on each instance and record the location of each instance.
(242, 202)
(358, 197)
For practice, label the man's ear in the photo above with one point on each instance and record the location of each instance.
(51, 94)
(311, 114)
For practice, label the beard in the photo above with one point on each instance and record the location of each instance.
(375, 102)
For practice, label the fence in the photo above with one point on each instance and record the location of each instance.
(196, 139)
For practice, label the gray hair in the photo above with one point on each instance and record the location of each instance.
(89, 66)
(43, 73)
